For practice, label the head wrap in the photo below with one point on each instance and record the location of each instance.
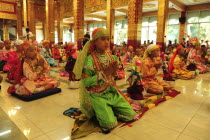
(149, 49)
(1, 42)
(46, 42)
(89, 46)
(26, 45)
(18, 42)
(171, 67)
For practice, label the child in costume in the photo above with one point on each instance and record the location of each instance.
(56, 52)
(99, 95)
(8, 55)
(129, 55)
(46, 52)
(150, 65)
(137, 60)
(177, 65)
(14, 61)
(32, 73)
(194, 55)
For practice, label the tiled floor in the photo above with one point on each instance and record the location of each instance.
(186, 117)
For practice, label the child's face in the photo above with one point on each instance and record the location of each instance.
(102, 43)
(1, 45)
(181, 51)
(31, 52)
(7, 45)
(156, 53)
(139, 53)
(46, 45)
(19, 48)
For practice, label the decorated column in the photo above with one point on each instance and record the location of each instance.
(19, 20)
(78, 6)
(134, 22)
(59, 23)
(110, 20)
(162, 16)
(50, 21)
(182, 26)
(31, 18)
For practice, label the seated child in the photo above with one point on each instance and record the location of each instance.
(99, 95)
(46, 52)
(33, 73)
(177, 65)
(150, 65)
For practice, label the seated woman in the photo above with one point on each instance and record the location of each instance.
(33, 73)
(177, 65)
(150, 65)
(46, 52)
(194, 56)
(99, 95)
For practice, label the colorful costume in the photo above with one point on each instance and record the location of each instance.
(34, 77)
(48, 56)
(137, 63)
(193, 56)
(99, 96)
(56, 53)
(149, 71)
(177, 67)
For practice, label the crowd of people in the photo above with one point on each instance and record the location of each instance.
(98, 67)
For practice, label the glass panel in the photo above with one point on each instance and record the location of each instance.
(145, 21)
(173, 32)
(121, 36)
(193, 17)
(174, 19)
(192, 30)
(144, 34)
(204, 31)
(125, 24)
(118, 24)
(153, 21)
(152, 34)
(205, 16)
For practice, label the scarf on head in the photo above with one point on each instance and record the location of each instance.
(89, 47)
(149, 49)
(171, 67)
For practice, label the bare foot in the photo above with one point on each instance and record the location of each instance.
(48, 87)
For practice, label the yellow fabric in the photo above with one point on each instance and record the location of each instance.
(151, 106)
(180, 71)
(153, 98)
(149, 49)
(168, 97)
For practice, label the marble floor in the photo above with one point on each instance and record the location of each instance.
(186, 117)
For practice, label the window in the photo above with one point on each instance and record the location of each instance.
(173, 27)
(120, 31)
(198, 24)
(149, 29)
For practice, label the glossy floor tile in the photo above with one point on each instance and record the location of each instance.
(185, 117)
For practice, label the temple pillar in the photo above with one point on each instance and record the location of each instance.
(5, 30)
(134, 22)
(161, 23)
(19, 20)
(182, 26)
(78, 6)
(110, 21)
(31, 18)
(59, 24)
(50, 21)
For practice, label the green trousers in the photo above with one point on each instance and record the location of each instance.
(110, 106)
